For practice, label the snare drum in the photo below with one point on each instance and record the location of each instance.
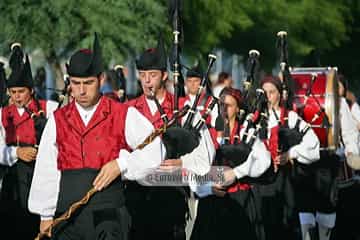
(316, 97)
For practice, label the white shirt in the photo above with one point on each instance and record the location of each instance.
(152, 105)
(8, 155)
(355, 110)
(217, 90)
(44, 190)
(349, 131)
(86, 113)
(308, 150)
(213, 113)
(256, 164)
(200, 159)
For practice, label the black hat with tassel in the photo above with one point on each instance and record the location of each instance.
(21, 75)
(86, 62)
(153, 58)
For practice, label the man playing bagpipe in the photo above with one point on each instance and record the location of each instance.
(89, 144)
(115, 84)
(230, 209)
(160, 212)
(192, 83)
(21, 127)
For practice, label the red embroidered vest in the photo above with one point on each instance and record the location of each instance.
(90, 146)
(141, 105)
(272, 144)
(20, 129)
(238, 186)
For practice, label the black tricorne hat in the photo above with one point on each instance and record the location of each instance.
(153, 58)
(86, 62)
(2, 73)
(21, 75)
(195, 71)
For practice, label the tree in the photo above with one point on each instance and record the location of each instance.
(59, 27)
(239, 26)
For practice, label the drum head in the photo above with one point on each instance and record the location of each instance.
(320, 105)
(332, 106)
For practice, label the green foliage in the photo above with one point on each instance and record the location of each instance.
(239, 26)
(59, 27)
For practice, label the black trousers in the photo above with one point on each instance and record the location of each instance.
(348, 214)
(230, 217)
(156, 212)
(277, 206)
(316, 190)
(105, 217)
(15, 216)
(96, 224)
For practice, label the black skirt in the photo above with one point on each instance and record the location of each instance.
(103, 217)
(277, 206)
(316, 188)
(225, 218)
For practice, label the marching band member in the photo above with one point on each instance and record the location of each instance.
(160, 212)
(21, 128)
(324, 204)
(278, 199)
(88, 143)
(224, 208)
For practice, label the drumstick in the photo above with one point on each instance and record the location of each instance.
(309, 90)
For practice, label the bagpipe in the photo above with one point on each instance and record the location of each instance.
(286, 79)
(64, 91)
(252, 68)
(3, 95)
(39, 119)
(175, 17)
(287, 137)
(180, 140)
(234, 154)
(121, 82)
(61, 94)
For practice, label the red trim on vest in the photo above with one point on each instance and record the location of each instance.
(94, 145)
(20, 129)
(212, 131)
(272, 144)
(141, 105)
(237, 186)
(183, 100)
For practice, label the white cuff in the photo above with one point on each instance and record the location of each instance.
(45, 218)
(10, 157)
(293, 153)
(13, 152)
(122, 161)
(204, 190)
(240, 172)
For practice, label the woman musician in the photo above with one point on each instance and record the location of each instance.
(283, 126)
(227, 210)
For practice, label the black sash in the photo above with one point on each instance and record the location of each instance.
(74, 184)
